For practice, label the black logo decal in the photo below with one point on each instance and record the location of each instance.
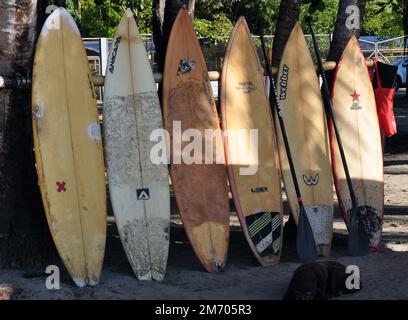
(114, 53)
(259, 189)
(186, 66)
(143, 194)
(311, 181)
(246, 86)
(284, 82)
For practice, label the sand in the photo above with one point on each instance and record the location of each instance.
(383, 272)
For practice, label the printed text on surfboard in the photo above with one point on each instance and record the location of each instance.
(284, 82)
(114, 52)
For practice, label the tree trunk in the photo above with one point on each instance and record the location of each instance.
(24, 236)
(342, 33)
(287, 17)
(405, 14)
(164, 14)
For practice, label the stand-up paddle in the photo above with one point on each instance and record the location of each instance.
(358, 237)
(305, 242)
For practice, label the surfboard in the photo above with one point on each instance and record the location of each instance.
(200, 184)
(305, 120)
(68, 148)
(138, 183)
(253, 171)
(356, 115)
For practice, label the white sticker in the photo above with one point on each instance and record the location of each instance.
(94, 131)
(38, 112)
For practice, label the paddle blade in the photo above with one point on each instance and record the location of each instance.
(305, 242)
(358, 238)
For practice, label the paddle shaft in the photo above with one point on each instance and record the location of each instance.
(272, 91)
(329, 109)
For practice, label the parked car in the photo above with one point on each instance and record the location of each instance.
(401, 80)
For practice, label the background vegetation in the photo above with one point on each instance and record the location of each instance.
(214, 19)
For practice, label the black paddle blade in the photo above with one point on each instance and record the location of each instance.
(358, 237)
(305, 242)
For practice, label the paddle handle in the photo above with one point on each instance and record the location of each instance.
(272, 92)
(328, 105)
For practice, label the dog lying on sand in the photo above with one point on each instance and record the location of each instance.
(318, 281)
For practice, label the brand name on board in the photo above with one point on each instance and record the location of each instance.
(283, 81)
(356, 106)
(259, 189)
(114, 53)
(245, 86)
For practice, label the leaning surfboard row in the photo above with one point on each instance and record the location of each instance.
(71, 168)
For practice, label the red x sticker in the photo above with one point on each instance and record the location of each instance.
(61, 186)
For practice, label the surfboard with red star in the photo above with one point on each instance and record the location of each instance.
(356, 115)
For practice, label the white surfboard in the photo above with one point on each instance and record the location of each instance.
(356, 115)
(139, 189)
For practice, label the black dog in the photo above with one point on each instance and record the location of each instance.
(318, 281)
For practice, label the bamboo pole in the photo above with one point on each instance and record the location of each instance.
(9, 82)
(216, 75)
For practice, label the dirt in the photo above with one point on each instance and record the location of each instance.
(383, 272)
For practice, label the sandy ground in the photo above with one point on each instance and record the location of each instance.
(383, 273)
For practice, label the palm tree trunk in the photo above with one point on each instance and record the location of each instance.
(288, 15)
(342, 33)
(164, 14)
(23, 229)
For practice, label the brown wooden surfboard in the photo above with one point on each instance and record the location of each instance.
(200, 188)
(244, 106)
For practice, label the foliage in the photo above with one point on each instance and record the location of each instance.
(323, 12)
(213, 30)
(207, 11)
(214, 19)
(384, 18)
(98, 18)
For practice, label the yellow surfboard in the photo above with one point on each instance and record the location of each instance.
(253, 171)
(68, 148)
(305, 121)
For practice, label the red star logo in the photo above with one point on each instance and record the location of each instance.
(355, 96)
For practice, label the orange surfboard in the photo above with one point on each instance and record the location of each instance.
(244, 106)
(200, 188)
